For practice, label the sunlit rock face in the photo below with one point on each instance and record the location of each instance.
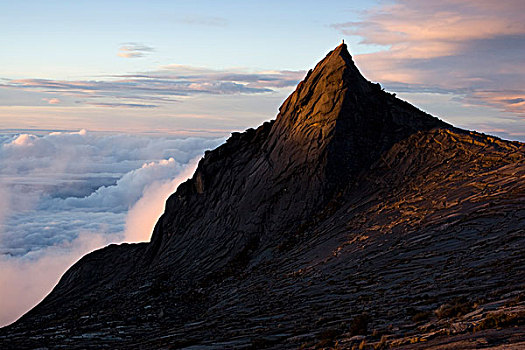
(352, 217)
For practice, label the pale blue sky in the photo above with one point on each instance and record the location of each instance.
(66, 39)
(210, 67)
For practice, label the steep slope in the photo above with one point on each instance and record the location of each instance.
(262, 182)
(351, 206)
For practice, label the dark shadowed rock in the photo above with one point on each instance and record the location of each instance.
(353, 218)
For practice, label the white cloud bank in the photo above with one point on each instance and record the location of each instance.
(65, 194)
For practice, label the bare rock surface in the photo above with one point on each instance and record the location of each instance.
(352, 220)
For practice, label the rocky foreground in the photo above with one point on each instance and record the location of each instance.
(354, 220)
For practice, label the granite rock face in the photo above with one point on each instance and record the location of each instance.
(352, 219)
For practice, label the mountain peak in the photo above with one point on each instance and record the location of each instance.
(340, 52)
(352, 75)
(338, 123)
(341, 72)
(333, 127)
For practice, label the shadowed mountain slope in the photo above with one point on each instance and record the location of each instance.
(352, 214)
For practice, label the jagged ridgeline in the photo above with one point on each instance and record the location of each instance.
(353, 217)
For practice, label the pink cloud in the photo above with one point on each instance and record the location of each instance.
(52, 101)
(471, 48)
(509, 101)
(422, 29)
(143, 216)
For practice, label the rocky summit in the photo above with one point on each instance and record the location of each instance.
(352, 220)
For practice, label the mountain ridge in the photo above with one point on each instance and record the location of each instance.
(350, 205)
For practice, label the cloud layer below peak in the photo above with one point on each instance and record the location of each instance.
(67, 193)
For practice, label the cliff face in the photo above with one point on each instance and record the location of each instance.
(351, 208)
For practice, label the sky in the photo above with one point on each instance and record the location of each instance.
(206, 68)
(105, 106)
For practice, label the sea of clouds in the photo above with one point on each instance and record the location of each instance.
(64, 194)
